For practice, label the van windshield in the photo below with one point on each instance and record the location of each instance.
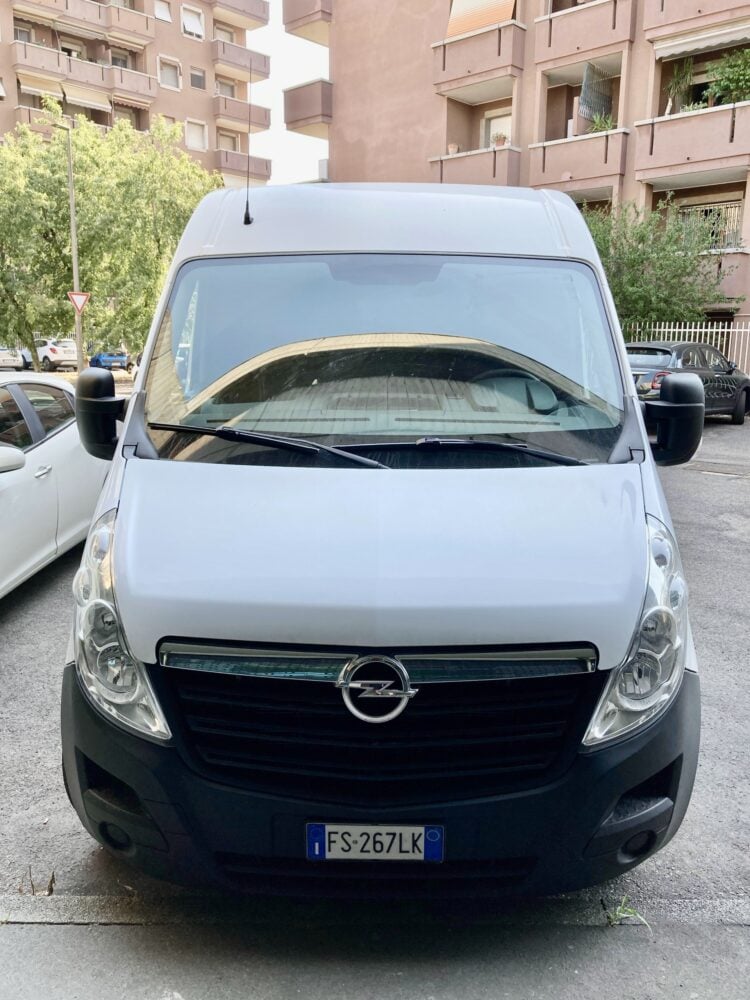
(367, 351)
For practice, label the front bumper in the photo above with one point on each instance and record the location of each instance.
(612, 809)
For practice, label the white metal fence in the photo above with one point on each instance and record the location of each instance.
(732, 341)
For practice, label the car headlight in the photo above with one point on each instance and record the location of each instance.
(114, 680)
(648, 680)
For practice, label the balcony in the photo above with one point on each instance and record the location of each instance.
(724, 218)
(584, 29)
(309, 109)
(711, 146)
(676, 15)
(239, 63)
(230, 162)
(477, 67)
(233, 114)
(479, 166)
(106, 19)
(310, 19)
(591, 162)
(247, 14)
(136, 87)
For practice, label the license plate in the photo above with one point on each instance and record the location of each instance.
(347, 842)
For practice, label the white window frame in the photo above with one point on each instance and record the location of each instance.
(121, 54)
(195, 121)
(225, 81)
(169, 61)
(23, 26)
(74, 45)
(185, 9)
(163, 10)
(228, 30)
(198, 69)
(485, 138)
(230, 135)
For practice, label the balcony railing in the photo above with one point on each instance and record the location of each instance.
(723, 218)
(118, 19)
(576, 30)
(564, 163)
(671, 13)
(478, 58)
(239, 115)
(479, 166)
(309, 108)
(238, 62)
(231, 162)
(309, 19)
(715, 140)
(247, 14)
(100, 75)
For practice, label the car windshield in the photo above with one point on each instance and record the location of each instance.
(370, 350)
(649, 357)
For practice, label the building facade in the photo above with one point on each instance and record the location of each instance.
(604, 99)
(136, 59)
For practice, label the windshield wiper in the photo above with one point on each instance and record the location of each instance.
(476, 443)
(302, 445)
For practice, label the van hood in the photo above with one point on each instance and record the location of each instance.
(366, 558)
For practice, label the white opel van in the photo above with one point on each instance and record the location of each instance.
(382, 593)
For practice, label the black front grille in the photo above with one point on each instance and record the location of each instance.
(294, 876)
(453, 742)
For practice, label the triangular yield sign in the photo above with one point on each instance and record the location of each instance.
(79, 300)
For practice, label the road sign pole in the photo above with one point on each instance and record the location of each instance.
(74, 250)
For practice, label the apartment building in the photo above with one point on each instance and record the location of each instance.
(136, 59)
(565, 94)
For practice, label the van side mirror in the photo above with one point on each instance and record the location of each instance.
(679, 416)
(11, 458)
(97, 411)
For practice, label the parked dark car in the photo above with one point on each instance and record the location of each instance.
(112, 359)
(727, 388)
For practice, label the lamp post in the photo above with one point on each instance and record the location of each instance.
(74, 242)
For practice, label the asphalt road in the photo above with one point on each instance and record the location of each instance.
(171, 945)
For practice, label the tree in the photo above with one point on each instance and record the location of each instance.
(658, 264)
(134, 195)
(731, 74)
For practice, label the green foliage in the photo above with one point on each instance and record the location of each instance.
(731, 75)
(602, 123)
(682, 80)
(134, 195)
(622, 912)
(657, 264)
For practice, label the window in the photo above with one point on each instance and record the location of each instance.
(195, 135)
(2, 90)
(72, 49)
(13, 428)
(228, 140)
(51, 405)
(225, 88)
(192, 22)
(120, 58)
(197, 78)
(169, 74)
(162, 10)
(497, 123)
(22, 33)
(715, 360)
(223, 34)
(125, 114)
(693, 358)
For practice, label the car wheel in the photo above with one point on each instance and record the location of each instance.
(740, 407)
(46, 365)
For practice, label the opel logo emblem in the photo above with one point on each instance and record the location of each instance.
(381, 682)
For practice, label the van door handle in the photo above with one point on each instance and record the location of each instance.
(42, 471)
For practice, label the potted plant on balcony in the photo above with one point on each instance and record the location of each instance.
(499, 139)
(453, 148)
(601, 123)
(679, 86)
(731, 78)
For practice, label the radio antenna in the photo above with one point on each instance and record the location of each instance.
(248, 219)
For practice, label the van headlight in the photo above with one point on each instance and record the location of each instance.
(648, 680)
(114, 680)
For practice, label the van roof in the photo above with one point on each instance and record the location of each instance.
(388, 218)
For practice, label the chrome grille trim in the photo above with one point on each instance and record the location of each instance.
(423, 667)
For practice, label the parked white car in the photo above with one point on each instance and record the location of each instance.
(48, 483)
(53, 354)
(10, 357)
